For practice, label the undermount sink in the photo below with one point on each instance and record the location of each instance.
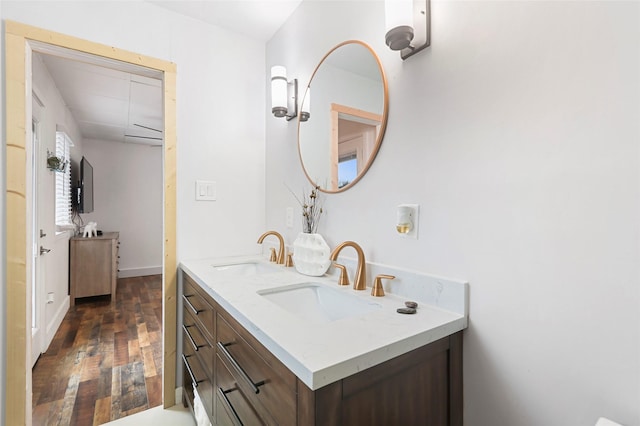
(318, 303)
(245, 268)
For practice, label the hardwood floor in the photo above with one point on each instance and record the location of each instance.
(105, 361)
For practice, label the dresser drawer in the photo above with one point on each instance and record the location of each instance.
(196, 303)
(232, 405)
(194, 336)
(270, 386)
(194, 373)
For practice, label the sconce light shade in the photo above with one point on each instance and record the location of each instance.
(398, 23)
(407, 26)
(284, 94)
(279, 91)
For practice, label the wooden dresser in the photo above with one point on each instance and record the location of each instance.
(93, 266)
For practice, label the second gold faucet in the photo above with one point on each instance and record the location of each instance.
(360, 281)
(280, 257)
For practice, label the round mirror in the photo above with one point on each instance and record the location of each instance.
(347, 116)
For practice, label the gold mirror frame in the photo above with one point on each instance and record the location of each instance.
(363, 116)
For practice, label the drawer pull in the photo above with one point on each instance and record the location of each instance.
(227, 403)
(193, 378)
(186, 297)
(193, 342)
(236, 366)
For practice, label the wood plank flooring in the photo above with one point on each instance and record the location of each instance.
(105, 361)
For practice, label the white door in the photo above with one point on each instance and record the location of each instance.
(40, 235)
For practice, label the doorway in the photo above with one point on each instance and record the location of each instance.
(354, 133)
(19, 39)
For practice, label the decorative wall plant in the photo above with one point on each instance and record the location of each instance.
(57, 164)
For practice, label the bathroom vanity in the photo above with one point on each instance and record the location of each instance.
(255, 360)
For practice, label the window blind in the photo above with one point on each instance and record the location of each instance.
(63, 181)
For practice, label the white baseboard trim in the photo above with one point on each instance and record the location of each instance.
(140, 272)
(56, 321)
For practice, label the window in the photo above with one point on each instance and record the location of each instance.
(63, 182)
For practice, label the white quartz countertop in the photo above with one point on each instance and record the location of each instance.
(322, 353)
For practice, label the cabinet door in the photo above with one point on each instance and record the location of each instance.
(269, 387)
(92, 267)
(233, 408)
(196, 377)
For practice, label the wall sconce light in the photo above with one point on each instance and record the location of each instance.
(407, 26)
(284, 94)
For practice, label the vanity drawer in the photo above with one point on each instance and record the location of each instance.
(199, 344)
(263, 379)
(196, 302)
(194, 373)
(232, 406)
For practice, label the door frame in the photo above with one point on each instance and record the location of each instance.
(17, 38)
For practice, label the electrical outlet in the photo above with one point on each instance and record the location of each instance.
(289, 217)
(408, 219)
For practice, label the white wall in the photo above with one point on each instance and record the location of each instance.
(220, 110)
(517, 133)
(127, 185)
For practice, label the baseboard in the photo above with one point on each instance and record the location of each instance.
(139, 272)
(53, 326)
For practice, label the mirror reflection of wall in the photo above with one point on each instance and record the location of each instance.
(340, 140)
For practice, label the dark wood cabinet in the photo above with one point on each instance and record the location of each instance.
(198, 325)
(248, 385)
(93, 266)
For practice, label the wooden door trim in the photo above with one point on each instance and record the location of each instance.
(17, 37)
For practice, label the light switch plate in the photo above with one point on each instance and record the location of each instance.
(206, 190)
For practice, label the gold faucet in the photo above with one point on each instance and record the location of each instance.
(280, 258)
(360, 281)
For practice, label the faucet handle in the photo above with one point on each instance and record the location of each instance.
(272, 258)
(377, 289)
(289, 262)
(344, 277)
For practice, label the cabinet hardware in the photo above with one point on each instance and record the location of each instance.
(193, 342)
(236, 366)
(186, 297)
(44, 250)
(227, 403)
(193, 377)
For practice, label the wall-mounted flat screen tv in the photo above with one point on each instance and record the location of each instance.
(85, 187)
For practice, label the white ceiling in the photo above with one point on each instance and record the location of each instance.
(258, 19)
(112, 101)
(109, 104)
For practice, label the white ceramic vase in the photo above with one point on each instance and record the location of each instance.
(311, 254)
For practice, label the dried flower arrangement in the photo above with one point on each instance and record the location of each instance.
(311, 210)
